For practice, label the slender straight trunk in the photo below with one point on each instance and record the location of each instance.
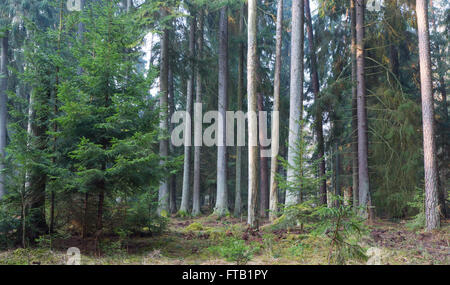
(296, 95)
(24, 209)
(263, 163)
(443, 144)
(198, 129)
(338, 165)
(273, 196)
(238, 194)
(318, 111)
(173, 177)
(101, 199)
(363, 168)
(80, 33)
(184, 208)
(221, 208)
(55, 125)
(129, 5)
(429, 145)
(171, 106)
(29, 134)
(443, 193)
(3, 105)
(252, 119)
(85, 216)
(163, 197)
(38, 178)
(354, 110)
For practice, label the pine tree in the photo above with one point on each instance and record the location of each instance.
(429, 145)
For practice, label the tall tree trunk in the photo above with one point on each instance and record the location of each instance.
(363, 167)
(318, 111)
(184, 208)
(55, 125)
(238, 194)
(101, 199)
(252, 119)
(338, 170)
(221, 208)
(38, 177)
(129, 5)
(442, 146)
(296, 95)
(198, 129)
(263, 166)
(3, 105)
(173, 177)
(80, 33)
(85, 216)
(273, 199)
(354, 110)
(429, 146)
(163, 197)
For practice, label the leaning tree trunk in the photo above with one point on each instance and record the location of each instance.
(3, 105)
(273, 198)
(318, 110)
(252, 119)
(221, 208)
(296, 96)
(429, 146)
(184, 208)
(198, 129)
(163, 197)
(363, 167)
(238, 194)
(354, 110)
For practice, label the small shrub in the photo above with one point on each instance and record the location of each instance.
(10, 227)
(234, 250)
(194, 227)
(343, 228)
(112, 248)
(418, 222)
(297, 249)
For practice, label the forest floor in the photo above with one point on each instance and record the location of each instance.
(196, 241)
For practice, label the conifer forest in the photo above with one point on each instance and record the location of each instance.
(224, 132)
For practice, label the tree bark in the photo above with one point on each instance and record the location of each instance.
(354, 110)
(221, 208)
(318, 110)
(273, 199)
(363, 167)
(184, 208)
(263, 166)
(442, 146)
(296, 95)
(252, 119)
(163, 197)
(198, 132)
(173, 177)
(429, 145)
(238, 194)
(101, 198)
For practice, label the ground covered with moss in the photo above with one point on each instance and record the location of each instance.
(206, 240)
